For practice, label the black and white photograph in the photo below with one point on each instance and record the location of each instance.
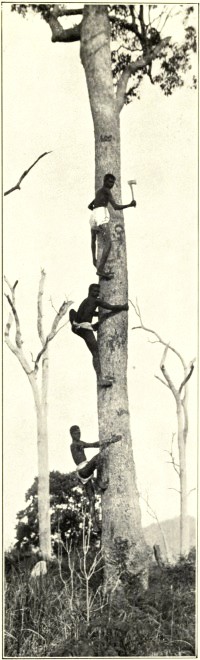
(100, 243)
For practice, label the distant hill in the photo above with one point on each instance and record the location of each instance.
(153, 535)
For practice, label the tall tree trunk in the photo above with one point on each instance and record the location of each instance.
(43, 464)
(184, 530)
(121, 518)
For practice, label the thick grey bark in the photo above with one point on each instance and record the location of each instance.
(121, 518)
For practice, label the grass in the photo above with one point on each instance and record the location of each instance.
(66, 612)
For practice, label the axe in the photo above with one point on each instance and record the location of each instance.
(131, 184)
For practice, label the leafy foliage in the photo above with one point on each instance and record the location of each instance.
(135, 31)
(68, 502)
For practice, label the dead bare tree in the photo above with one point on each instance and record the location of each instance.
(40, 392)
(180, 395)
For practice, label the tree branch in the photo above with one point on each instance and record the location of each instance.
(162, 381)
(191, 490)
(59, 11)
(160, 340)
(17, 186)
(176, 466)
(18, 336)
(10, 317)
(62, 311)
(133, 67)
(169, 381)
(187, 377)
(58, 32)
(17, 350)
(21, 357)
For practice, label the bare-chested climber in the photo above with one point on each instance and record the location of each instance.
(81, 325)
(85, 469)
(99, 222)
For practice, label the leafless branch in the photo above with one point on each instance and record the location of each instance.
(164, 355)
(18, 186)
(17, 347)
(187, 377)
(191, 490)
(51, 301)
(170, 14)
(172, 463)
(176, 489)
(158, 337)
(54, 329)
(18, 337)
(169, 381)
(165, 373)
(162, 381)
(10, 317)
(176, 466)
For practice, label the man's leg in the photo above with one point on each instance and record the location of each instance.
(105, 233)
(88, 469)
(90, 492)
(99, 463)
(91, 343)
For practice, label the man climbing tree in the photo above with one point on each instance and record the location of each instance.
(99, 222)
(112, 80)
(81, 324)
(85, 469)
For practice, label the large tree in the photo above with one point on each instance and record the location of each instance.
(118, 47)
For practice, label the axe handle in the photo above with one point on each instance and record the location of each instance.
(132, 192)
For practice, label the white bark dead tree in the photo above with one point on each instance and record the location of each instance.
(180, 395)
(40, 393)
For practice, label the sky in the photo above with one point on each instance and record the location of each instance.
(46, 107)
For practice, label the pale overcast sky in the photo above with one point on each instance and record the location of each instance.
(46, 225)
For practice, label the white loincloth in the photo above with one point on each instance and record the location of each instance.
(83, 479)
(99, 216)
(86, 325)
(79, 467)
